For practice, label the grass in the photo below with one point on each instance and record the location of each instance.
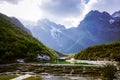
(34, 78)
(7, 77)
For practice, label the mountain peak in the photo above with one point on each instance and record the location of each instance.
(96, 14)
(46, 23)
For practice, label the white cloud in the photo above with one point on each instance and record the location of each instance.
(107, 5)
(10, 1)
(74, 21)
(66, 12)
(86, 8)
(26, 9)
(62, 8)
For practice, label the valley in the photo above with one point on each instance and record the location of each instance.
(44, 51)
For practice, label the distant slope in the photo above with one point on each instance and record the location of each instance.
(111, 51)
(16, 43)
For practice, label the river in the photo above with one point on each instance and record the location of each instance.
(63, 78)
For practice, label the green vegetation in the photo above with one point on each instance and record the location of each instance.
(84, 63)
(108, 71)
(34, 78)
(7, 77)
(15, 43)
(111, 51)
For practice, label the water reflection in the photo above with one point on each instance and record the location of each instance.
(62, 78)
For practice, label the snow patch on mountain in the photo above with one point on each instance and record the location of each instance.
(111, 21)
(55, 32)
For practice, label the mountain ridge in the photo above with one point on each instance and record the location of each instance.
(96, 28)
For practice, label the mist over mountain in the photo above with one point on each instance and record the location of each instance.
(96, 28)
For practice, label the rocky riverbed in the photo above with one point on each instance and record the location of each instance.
(54, 72)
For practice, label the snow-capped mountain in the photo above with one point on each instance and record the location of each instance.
(49, 33)
(96, 28)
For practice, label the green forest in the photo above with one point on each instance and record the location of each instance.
(16, 43)
(110, 51)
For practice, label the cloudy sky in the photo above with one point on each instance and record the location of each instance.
(65, 12)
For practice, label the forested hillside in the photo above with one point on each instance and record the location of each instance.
(15, 43)
(111, 51)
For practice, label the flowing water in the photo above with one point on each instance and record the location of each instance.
(63, 78)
